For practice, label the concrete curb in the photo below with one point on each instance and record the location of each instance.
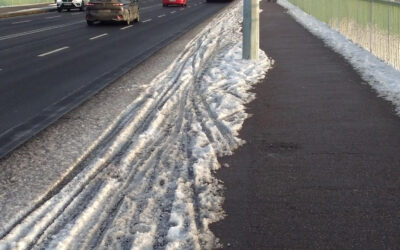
(28, 12)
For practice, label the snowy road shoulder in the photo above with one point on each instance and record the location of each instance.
(147, 182)
(383, 78)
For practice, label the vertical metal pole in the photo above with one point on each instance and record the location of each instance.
(358, 24)
(251, 30)
(388, 53)
(340, 16)
(370, 26)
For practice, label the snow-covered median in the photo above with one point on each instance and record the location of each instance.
(148, 181)
(382, 77)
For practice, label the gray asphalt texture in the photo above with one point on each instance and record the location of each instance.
(321, 166)
(36, 91)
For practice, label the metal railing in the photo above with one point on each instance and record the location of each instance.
(373, 24)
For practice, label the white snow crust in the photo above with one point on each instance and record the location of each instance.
(382, 77)
(147, 182)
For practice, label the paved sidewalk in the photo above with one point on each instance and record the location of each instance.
(322, 164)
(26, 10)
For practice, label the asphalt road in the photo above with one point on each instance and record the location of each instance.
(52, 62)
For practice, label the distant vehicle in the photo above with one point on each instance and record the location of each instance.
(112, 10)
(182, 3)
(70, 4)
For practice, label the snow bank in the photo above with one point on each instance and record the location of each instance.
(148, 183)
(382, 77)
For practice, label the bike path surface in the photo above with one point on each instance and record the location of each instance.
(320, 169)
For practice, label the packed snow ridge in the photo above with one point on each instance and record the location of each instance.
(381, 76)
(148, 182)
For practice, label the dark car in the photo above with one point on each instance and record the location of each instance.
(112, 10)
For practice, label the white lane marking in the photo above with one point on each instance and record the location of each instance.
(51, 17)
(25, 21)
(126, 27)
(182, 9)
(95, 37)
(163, 15)
(53, 51)
(148, 7)
(145, 21)
(172, 12)
(195, 4)
(38, 30)
(74, 14)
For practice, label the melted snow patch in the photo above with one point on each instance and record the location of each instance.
(148, 183)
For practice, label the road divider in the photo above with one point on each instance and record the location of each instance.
(95, 37)
(25, 21)
(53, 51)
(126, 27)
(52, 17)
(38, 30)
(149, 7)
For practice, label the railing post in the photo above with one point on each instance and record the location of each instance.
(251, 31)
(389, 11)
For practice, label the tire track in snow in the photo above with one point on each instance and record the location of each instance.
(147, 182)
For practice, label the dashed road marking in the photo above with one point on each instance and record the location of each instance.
(182, 9)
(95, 37)
(172, 12)
(38, 30)
(163, 15)
(149, 7)
(126, 27)
(53, 51)
(25, 21)
(51, 17)
(145, 21)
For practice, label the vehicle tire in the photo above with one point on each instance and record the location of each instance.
(59, 9)
(90, 23)
(68, 9)
(137, 18)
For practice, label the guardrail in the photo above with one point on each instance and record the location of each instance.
(7, 3)
(373, 24)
